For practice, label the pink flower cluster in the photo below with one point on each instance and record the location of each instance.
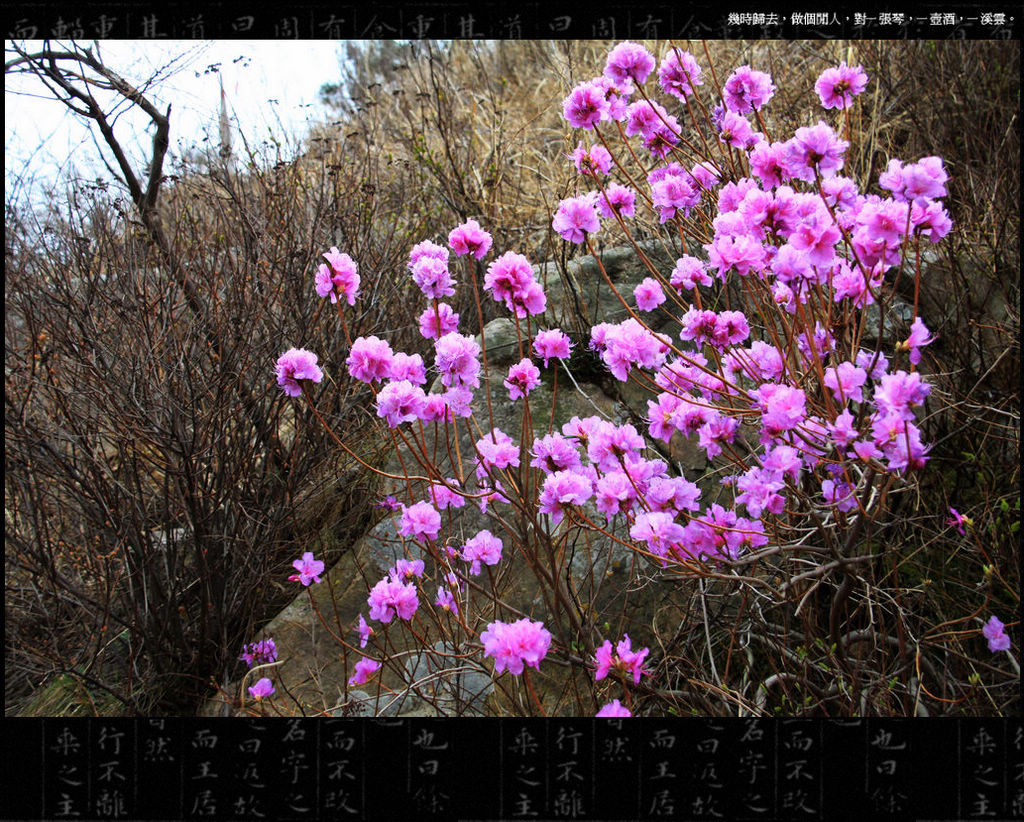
(295, 367)
(309, 569)
(484, 547)
(516, 644)
(623, 659)
(259, 653)
(393, 596)
(994, 633)
(338, 280)
(510, 279)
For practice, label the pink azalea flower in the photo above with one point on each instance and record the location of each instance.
(679, 73)
(997, 640)
(846, 382)
(624, 659)
(629, 61)
(553, 452)
(919, 336)
(552, 343)
(433, 277)
(648, 294)
(747, 90)
(437, 323)
(364, 632)
(594, 160)
(585, 106)
(959, 520)
(456, 359)
(408, 367)
(365, 668)
(370, 359)
(469, 238)
(562, 489)
(308, 568)
(427, 248)
(339, 279)
(420, 521)
(614, 709)
(689, 273)
(405, 569)
(495, 450)
(390, 597)
(838, 86)
(444, 497)
(399, 402)
(262, 689)
(446, 601)
(813, 148)
(659, 530)
(575, 218)
(616, 199)
(522, 378)
(516, 644)
(295, 367)
(484, 547)
(259, 653)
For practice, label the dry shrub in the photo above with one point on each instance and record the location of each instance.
(159, 484)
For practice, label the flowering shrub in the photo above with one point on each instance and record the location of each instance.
(754, 348)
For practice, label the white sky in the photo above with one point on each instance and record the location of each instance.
(271, 86)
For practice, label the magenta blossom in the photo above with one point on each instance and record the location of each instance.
(585, 106)
(516, 644)
(648, 294)
(433, 277)
(456, 359)
(994, 633)
(838, 86)
(446, 601)
(689, 273)
(616, 199)
(747, 90)
(405, 569)
(562, 489)
(959, 520)
(338, 280)
(365, 668)
(262, 689)
(408, 367)
(918, 337)
(625, 659)
(576, 217)
(593, 160)
(522, 378)
(436, 322)
(552, 344)
(420, 521)
(629, 61)
(813, 149)
(364, 632)
(614, 709)
(400, 401)
(392, 596)
(679, 73)
(484, 547)
(427, 248)
(469, 238)
(309, 569)
(294, 367)
(370, 359)
(259, 653)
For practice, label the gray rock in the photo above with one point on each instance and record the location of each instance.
(456, 687)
